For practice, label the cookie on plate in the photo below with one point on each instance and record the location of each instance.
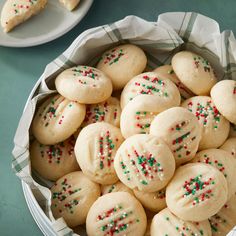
(224, 96)
(84, 84)
(72, 197)
(70, 4)
(151, 83)
(215, 128)
(122, 63)
(230, 146)
(54, 161)
(144, 162)
(194, 72)
(196, 192)
(181, 131)
(57, 119)
(95, 150)
(116, 187)
(15, 12)
(166, 223)
(117, 214)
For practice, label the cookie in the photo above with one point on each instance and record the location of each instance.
(117, 187)
(230, 146)
(145, 163)
(214, 127)
(232, 132)
(95, 149)
(72, 197)
(57, 119)
(181, 131)
(15, 12)
(225, 220)
(108, 111)
(196, 192)
(166, 223)
(70, 4)
(84, 84)
(122, 63)
(116, 214)
(152, 201)
(223, 161)
(151, 83)
(54, 161)
(167, 72)
(194, 72)
(224, 96)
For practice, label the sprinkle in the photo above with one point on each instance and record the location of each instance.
(113, 56)
(204, 63)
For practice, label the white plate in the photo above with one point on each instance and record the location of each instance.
(51, 23)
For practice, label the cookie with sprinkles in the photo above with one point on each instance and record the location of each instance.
(194, 71)
(224, 96)
(166, 223)
(84, 84)
(57, 119)
(116, 187)
(145, 163)
(95, 150)
(151, 83)
(196, 192)
(122, 63)
(232, 131)
(108, 111)
(72, 197)
(230, 146)
(223, 161)
(54, 161)
(180, 129)
(70, 4)
(15, 12)
(214, 127)
(116, 214)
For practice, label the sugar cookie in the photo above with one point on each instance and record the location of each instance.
(57, 119)
(95, 149)
(54, 161)
(196, 192)
(151, 84)
(122, 63)
(224, 96)
(179, 128)
(72, 196)
(84, 84)
(223, 161)
(230, 146)
(232, 132)
(194, 72)
(167, 224)
(70, 4)
(117, 187)
(144, 162)
(116, 214)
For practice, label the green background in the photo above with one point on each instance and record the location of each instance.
(21, 68)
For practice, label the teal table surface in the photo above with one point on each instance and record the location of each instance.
(20, 68)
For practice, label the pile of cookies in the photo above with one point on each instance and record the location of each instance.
(140, 153)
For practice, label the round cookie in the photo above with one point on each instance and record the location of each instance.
(167, 72)
(215, 128)
(232, 132)
(95, 149)
(230, 146)
(152, 201)
(117, 187)
(145, 163)
(54, 161)
(116, 214)
(179, 128)
(224, 96)
(151, 83)
(225, 220)
(57, 119)
(122, 63)
(108, 111)
(196, 192)
(194, 72)
(84, 84)
(223, 161)
(167, 224)
(72, 197)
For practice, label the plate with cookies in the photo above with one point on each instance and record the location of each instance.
(26, 23)
(136, 135)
